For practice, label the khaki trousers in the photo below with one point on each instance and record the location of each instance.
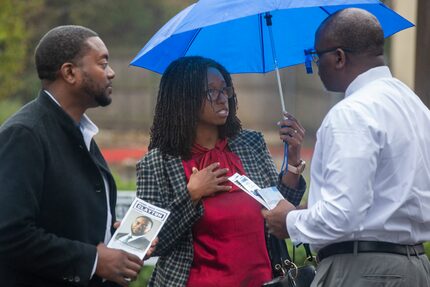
(373, 270)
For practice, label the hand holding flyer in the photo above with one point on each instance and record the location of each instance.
(268, 197)
(139, 228)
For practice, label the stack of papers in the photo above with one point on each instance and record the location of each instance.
(268, 197)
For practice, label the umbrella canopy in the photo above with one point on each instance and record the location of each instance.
(235, 32)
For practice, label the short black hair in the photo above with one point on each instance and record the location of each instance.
(181, 96)
(60, 45)
(355, 29)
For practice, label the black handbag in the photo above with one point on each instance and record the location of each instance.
(286, 273)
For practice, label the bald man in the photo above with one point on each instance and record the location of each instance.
(369, 198)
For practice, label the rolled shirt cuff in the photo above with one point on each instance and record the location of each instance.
(291, 227)
(94, 266)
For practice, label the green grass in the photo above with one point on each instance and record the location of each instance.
(8, 108)
(427, 248)
(144, 275)
(122, 184)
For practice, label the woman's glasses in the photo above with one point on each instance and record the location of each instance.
(213, 94)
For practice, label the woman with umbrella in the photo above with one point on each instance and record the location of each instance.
(215, 235)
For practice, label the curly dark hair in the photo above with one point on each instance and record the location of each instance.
(60, 45)
(181, 96)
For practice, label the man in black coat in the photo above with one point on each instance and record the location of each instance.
(57, 195)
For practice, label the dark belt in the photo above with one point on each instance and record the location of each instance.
(370, 246)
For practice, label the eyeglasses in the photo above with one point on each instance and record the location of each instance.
(213, 94)
(316, 55)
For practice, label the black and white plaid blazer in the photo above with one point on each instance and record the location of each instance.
(161, 181)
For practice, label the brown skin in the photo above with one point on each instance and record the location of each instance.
(79, 86)
(211, 179)
(140, 226)
(117, 265)
(275, 219)
(338, 69)
(293, 133)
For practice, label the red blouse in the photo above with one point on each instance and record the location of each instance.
(229, 241)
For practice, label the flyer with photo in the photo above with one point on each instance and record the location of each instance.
(268, 197)
(271, 196)
(139, 228)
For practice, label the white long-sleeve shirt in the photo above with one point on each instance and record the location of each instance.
(370, 172)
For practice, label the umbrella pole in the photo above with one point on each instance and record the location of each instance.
(268, 18)
(281, 94)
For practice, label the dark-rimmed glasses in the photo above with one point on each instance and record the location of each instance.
(213, 94)
(316, 55)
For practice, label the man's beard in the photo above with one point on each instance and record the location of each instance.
(137, 233)
(100, 95)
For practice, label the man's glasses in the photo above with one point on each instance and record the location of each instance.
(316, 55)
(213, 94)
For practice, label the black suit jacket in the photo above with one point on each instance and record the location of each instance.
(52, 199)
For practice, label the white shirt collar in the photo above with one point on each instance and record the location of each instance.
(87, 127)
(367, 77)
(52, 97)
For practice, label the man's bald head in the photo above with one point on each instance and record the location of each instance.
(355, 29)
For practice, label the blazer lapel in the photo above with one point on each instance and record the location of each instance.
(175, 173)
(245, 153)
(250, 159)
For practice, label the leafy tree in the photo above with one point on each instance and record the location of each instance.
(12, 45)
(16, 30)
(124, 25)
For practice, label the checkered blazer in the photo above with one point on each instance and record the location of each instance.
(161, 181)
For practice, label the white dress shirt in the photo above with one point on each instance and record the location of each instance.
(89, 130)
(370, 172)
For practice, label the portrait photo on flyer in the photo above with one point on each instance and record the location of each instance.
(139, 228)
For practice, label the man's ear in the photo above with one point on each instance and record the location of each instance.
(340, 58)
(68, 71)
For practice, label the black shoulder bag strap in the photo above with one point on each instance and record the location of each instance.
(283, 266)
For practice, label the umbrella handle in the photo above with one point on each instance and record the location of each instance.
(285, 160)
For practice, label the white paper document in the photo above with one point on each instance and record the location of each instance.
(271, 196)
(268, 197)
(139, 228)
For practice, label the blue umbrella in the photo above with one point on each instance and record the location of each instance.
(251, 36)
